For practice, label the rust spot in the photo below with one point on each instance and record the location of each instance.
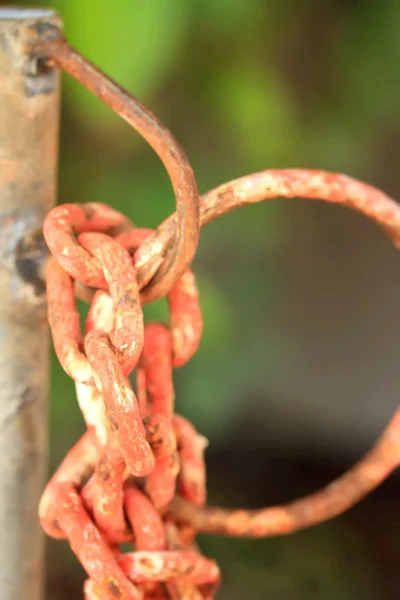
(104, 470)
(226, 196)
(31, 254)
(40, 77)
(154, 436)
(114, 589)
(90, 213)
(113, 422)
(150, 398)
(29, 395)
(56, 525)
(188, 570)
(128, 299)
(146, 562)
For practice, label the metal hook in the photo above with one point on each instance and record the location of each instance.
(153, 282)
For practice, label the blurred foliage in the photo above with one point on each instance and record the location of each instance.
(158, 34)
(244, 85)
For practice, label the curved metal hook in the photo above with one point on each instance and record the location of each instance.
(156, 283)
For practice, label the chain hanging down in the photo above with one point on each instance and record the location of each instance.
(105, 501)
(137, 475)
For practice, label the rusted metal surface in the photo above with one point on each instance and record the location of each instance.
(93, 499)
(29, 119)
(266, 185)
(138, 475)
(156, 280)
(334, 188)
(131, 435)
(257, 187)
(329, 502)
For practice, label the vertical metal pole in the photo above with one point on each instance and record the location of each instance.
(29, 121)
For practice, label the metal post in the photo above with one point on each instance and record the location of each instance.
(29, 120)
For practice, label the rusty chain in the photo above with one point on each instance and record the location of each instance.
(137, 475)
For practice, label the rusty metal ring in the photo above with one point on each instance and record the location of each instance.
(330, 501)
(183, 244)
(334, 188)
(384, 457)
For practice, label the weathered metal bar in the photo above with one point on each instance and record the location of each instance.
(29, 121)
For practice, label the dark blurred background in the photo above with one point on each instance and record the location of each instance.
(297, 372)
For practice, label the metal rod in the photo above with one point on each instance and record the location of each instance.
(29, 122)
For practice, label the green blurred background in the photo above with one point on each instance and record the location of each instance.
(297, 371)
